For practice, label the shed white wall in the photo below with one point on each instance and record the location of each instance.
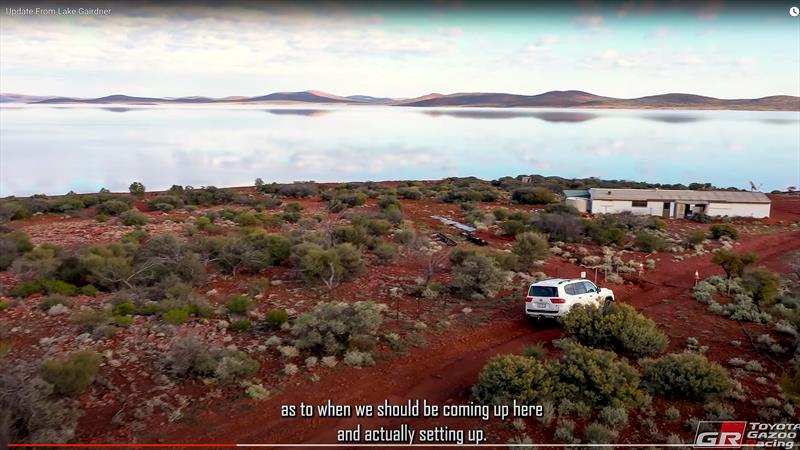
(618, 206)
(756, 210)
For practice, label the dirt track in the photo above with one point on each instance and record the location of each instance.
(444, 372)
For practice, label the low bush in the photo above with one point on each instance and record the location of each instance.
(595, 377)
(241, 325)
(597, 433)
(239, 304)
(45, 303)
(73, 373)
(616, 327)
(685, 375)
(386, 252)
(533, 196)
(695, 237)
(763, 285)
(334, 328)
(190, 357)
(648, 242)
(39, 262)
(44, 286)
(719, 230)
(507, 378)
(89, 320)
(176, 316)
(331, 266)
(477, 275)
(531, 247)
(559, 226)
(276, 318)
(13, 245)
(133, 217)
(605, 231)
(112, 207)
(29, 413)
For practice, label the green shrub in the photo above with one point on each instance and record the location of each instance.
(89, 290)
(561, 208)
(89, 320)
(334, 328)
(52, 300)
(531, 247)
(386, 252)
(604, 233)
(276, 318)
(686, 375)
(239, 304)
(123, 321)
(44, 286)
(176, 316)
(617, 327)
(648, 242)
(718, 230)
(536, 351)
(763, 285)
(595, 377)
(695, 237)
(165, 202)
(72, 374)
(3, 305)
(13, 245)
(559, 226)
(112, 207)
(241, 325)
(133, 217)
(513, 227)
(39, 262)
(339, 263)
(614, 416)
(190, 357)
(477, 275)
(533, 196)
(102, 217)
(507, 378)
(597, 433)
(378, 227)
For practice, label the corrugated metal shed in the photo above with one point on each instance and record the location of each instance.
(678, 195)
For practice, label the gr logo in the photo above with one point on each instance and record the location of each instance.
(720, 434)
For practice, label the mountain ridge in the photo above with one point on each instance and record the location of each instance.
(551, 99)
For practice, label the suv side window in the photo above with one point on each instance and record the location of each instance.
(590, 287)
(575, 289)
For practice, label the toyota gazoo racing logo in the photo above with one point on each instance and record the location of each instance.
(738, 434)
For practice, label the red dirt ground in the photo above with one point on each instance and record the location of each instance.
(441, 372)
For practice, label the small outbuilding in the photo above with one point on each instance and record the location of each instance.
(679, 203)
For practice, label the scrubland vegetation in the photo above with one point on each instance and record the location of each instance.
(242, 294)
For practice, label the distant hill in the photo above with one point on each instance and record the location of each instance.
(552, 99)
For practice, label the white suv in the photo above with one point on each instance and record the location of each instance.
(555, 297)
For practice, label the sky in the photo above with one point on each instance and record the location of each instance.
(622, 49)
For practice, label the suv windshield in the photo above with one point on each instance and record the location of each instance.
(543, 291)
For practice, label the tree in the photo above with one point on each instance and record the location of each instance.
(136, 188)
(733, 263)
(259, 182)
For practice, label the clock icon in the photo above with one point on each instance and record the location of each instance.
(794, 11)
